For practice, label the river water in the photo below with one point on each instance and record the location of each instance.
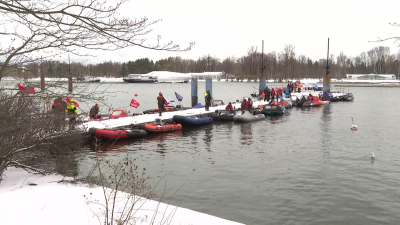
(305, 167)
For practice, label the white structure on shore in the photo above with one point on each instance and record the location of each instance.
(370, 77)
(212, 75)
(169, 77)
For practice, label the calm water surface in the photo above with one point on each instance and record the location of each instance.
(306, 167)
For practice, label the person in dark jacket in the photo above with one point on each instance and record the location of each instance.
(160, 102)
(208, 98)
(94, 111)
(250, 105)
(310, 98)
(267, 94)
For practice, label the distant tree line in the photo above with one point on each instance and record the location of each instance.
(278, 65)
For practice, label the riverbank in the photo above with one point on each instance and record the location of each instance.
(367, 85)
(35, 199)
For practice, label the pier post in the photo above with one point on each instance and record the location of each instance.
(209, 86)
(194, 91)
(41, 75)
(69, 76)
(262, 84)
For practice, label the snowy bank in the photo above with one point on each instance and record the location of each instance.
(35, 199)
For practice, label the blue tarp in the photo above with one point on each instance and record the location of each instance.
(199, 105)
(330, 95)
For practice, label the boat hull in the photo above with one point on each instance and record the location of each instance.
(118, 134)
(273, 110)
(152, 127)
(139, 81)
(248, 117)
(192, 120)
(225, 114)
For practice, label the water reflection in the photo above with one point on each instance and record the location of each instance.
(326, 133)
(274, 118)
(247, 134)
(208, 135)
(161, 140)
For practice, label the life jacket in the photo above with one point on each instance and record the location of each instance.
(229, 107)
(244, 104)
(71, 108)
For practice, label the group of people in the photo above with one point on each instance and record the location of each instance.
(278, 92)
(70, 108)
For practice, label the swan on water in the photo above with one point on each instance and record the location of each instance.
(353, 127)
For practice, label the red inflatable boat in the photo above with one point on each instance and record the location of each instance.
(118, 134)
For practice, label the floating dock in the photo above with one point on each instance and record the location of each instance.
(146, 118)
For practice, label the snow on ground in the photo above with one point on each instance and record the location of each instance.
(35, 199)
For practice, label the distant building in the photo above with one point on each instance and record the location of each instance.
(370, 77)
(212, 75)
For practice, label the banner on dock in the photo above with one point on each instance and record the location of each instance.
(178, 96)
(134, 103)
(26, 90)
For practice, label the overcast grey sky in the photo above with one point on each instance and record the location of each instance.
(225, 28)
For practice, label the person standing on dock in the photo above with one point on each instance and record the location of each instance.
(161, 102)
(208, 97)
(267, 94)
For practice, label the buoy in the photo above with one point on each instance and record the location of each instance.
(353, 127)
(135, 94)
(372, 155)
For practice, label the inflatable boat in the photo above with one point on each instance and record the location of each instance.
(159, 127)
(313, 103)
(247, 117)
(191, 120)
(118, 134)
(225, 114)
(273, 110)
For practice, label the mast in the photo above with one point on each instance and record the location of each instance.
(327, 78)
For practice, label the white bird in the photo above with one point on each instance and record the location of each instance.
(372, 155)
(353, 127)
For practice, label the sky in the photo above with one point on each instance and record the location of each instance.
(225, 28)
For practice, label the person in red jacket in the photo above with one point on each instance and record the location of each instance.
(229, 106)
(273, 94)
(243, 106)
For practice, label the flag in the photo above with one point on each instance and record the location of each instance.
(134, 103)
(282, 101)
(69, 100)
(170, 101)
(179, 97)
(26, 90)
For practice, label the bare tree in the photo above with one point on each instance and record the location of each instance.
(51, 28)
